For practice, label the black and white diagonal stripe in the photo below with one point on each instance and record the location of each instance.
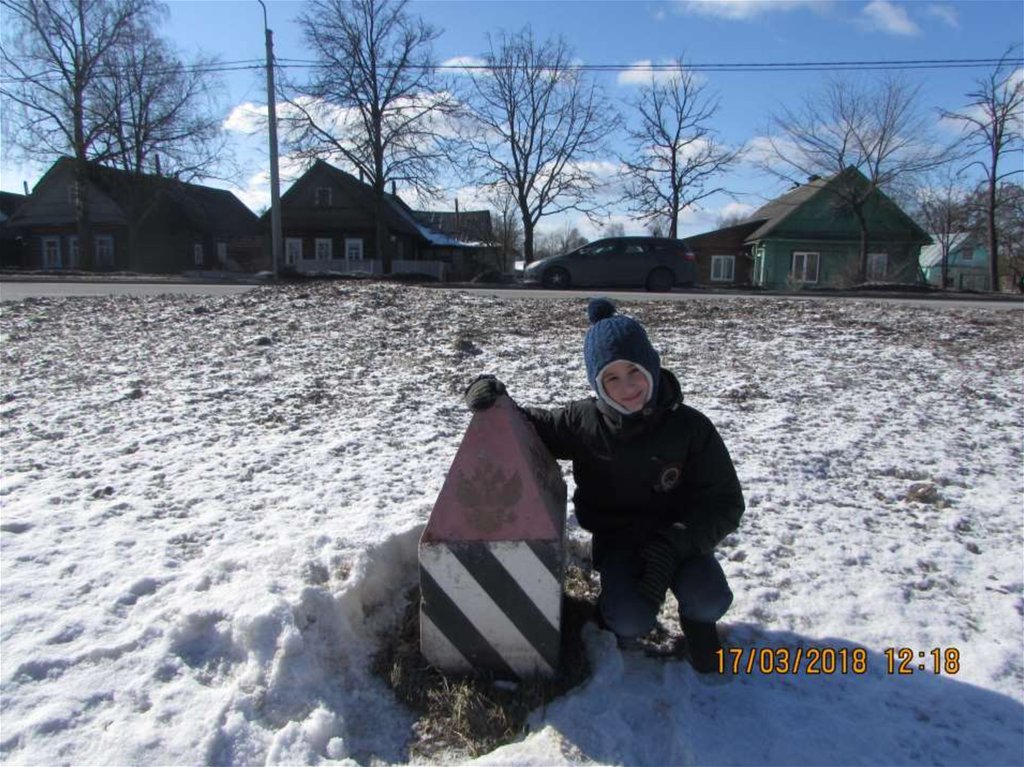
(492, 606)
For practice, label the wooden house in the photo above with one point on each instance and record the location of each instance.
(810, 238)
(10, 240)
(723, 256)
(140, 223)
(967, 264)
(328, 224)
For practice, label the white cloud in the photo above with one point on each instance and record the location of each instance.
(644, 72)
(885, 16)
(734, 210)
(743, 10)
(945, 13)
(246, 118)
(466, 65)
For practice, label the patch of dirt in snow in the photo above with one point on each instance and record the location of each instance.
(209, 504)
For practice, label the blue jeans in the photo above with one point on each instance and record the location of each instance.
(699, 586)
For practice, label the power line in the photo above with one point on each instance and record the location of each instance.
(218, 67)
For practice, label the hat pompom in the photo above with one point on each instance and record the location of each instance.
(600, 309)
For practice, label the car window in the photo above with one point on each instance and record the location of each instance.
(599, 250)
(634, 249)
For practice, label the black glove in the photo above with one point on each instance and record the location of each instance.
(482, 392)
(660, 562)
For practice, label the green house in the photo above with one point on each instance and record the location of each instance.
(810, 237)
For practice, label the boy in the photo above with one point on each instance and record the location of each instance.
(654, 485)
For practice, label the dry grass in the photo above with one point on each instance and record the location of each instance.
(471, 715)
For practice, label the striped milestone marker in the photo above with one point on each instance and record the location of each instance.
(492, 557)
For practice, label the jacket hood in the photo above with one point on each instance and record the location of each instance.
(669, 397)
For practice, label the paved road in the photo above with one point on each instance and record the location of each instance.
(17, 290)
(1000, 304)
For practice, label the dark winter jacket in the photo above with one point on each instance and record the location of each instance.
(662, 472)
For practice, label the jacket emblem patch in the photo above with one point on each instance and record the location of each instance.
(668, 478)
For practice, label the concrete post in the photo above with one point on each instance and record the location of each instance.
(492, 557)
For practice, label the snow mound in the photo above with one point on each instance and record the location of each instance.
(209, 509)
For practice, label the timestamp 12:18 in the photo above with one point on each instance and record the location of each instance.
(904, 660)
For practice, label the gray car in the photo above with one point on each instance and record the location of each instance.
(654, 263)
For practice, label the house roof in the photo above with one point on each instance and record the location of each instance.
(775, 212)
(399, 217)
(931, 255)
(9, 202)
(469, 226)
(193, 205)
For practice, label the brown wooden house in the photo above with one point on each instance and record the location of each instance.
(328, 225)
(140, 223)
(10, 240)
(723, 256)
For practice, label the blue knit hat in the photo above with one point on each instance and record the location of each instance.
(614, 337)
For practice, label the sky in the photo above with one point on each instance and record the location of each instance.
(209, 527)
(627, 33)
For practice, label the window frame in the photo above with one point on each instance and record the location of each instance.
(317, 243)
(104, 246)
(323, 197)
(803, 277)
(53, 262)
(292, 257)
(723, 259)
(872, 271)
(349, 242)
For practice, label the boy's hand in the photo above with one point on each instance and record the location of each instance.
(660, 563)
(482, 392)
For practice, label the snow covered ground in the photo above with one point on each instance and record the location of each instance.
(211, 505)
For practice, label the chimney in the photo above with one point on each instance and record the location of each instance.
(158, 172)
(393, 192)
(457, 228)
(24, 185)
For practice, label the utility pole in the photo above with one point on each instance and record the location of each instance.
(275, 193)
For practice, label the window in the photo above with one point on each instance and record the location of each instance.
(104, 250)
(323, 248)
(878, 266)
(292, 250)
(323, 197)
(73, 251)
(222, 253)
(723, 268)
(967, 254)
(73, 194)
(353, 249)
(51, 253)
(197, 253)
(805, 267)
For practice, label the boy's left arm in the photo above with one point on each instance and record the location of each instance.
(714, 498)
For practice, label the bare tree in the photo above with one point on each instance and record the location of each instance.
(536, 118)
(876, 128)
(993, 123)
(1009, 223)
(507, 228)
(615, 229)
(161, 115)
(52, 57)
(942, 208)
(674, 154)
(373, 98)
(567, 237)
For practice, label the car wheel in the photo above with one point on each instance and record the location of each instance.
(556, 278)
(660, 280)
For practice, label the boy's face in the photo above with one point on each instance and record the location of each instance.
(627, 384)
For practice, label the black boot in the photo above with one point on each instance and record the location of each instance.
(704, 645)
